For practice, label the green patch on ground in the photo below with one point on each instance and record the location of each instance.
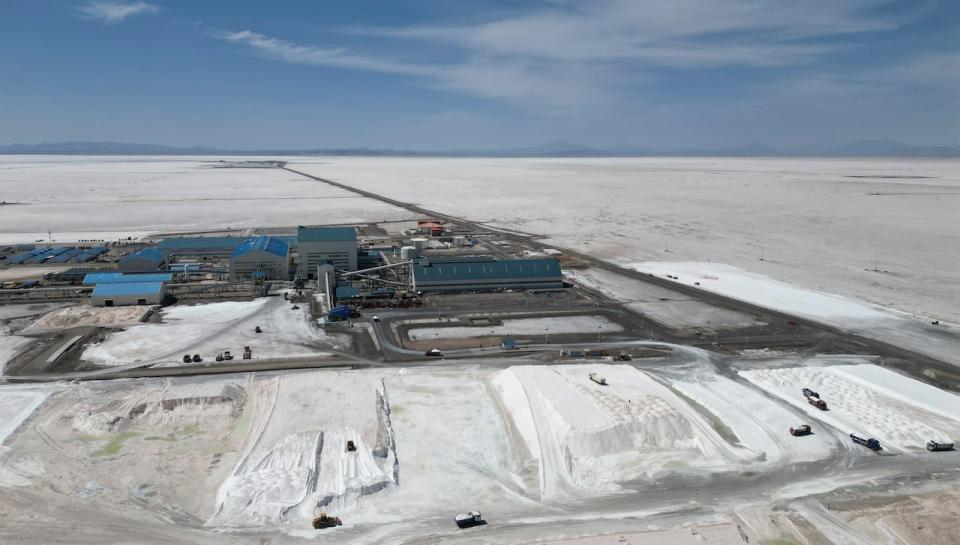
(718, 426)
(181, 432)
(114, 444)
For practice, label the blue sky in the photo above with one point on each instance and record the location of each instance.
(452, 74)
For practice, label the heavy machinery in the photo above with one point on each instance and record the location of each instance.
(326, 521)
(807, 392)
(351, 447)
(934, 446)
(186, 358)
(870, 443)
(258, 329)
(247, 353)
(818, 403)
(197, 358)
(227, 355)
(802, 429)
(602, 381)
(469, 519)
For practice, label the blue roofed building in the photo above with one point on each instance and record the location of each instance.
(124, 278)
(201, 247)
(145, 260)
(321, 245)
(452, 275)
(128, 293)
(262, 257)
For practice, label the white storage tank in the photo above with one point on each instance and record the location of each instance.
(459, 241)
(407, 253)
(419, 243)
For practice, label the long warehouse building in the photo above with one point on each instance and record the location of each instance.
(128, 293)
(261, 257)
(466, 275)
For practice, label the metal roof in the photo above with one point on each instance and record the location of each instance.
(122, 278)
(193, 243)
(263, 243)
(128, 288)
(507, 269)
(150, 254)
(325, 234)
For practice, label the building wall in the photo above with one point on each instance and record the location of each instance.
(138, 264)
(128, 300)
(489, 285)
(274, 267)
(342, 253)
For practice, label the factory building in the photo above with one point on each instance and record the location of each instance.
(128, 293)
(146, 260)
(202, 247)
(121, 278)
(261, 257)
(484, 274)
(432, 228)
(319, 245)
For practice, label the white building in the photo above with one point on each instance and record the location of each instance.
(128, 293)
(261, 257)
(319, 245)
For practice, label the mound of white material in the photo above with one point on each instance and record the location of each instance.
(9, 347)
(893, 408)
(520, 326)
(587, 438)
(209, 329)
(297, 477)
(66, 318)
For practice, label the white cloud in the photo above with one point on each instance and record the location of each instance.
(111, 13)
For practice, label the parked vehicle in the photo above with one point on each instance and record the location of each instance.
(186, 358)
(810, 393)
(602, 381)
(326, 521)
(227, 355)
(375, 318)
(351, 447)
(623, 356)
(257, 330)
(818, 403)
(469, 519)
(802, 429)
(247, 353)
(197, 358)
(934, 446)
(434, 352)
(219, 357)
(870, 443)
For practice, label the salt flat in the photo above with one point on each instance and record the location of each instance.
(80, 197)
(823, 224)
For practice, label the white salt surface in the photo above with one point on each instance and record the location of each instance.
(16, 405)
(823, 224)
(863, 400)
(10, 345)
(208, 329)
(68, 195)
(520, 326)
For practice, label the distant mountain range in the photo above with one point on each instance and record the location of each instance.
(557, 148)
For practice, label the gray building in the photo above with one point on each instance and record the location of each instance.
(261, 257)
(319, 245)
(485, 274)
(145, 260)
(128, 293)
(202, 247)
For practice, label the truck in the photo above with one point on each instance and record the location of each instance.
(934, 446)
(807, 392)
(870, 443)
(802, 429)
(469, 519)
(818, 403)
(602, 381)
(339, 313)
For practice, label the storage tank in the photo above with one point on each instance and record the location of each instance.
(407, 253)
(419, 243)
(459, 241)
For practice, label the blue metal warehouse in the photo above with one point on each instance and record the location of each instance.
(486, 274)
(121, 278)
(128, 293)
(147, 259)
(199, 246)
(262, 257)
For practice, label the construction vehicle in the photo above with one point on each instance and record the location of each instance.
(802, 429)
(602, 381)
(197, 358)
(247, 353)
(818, 403)
(227, 355)
(434, 352)
(219, 357)
(351, 447)
(186, 358)
(934, 446)
(807, 392)
(870, 443)
(326, 521)
(338, 313)
(257, 330)
(469, 519)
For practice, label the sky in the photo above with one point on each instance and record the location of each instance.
(480, 74)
